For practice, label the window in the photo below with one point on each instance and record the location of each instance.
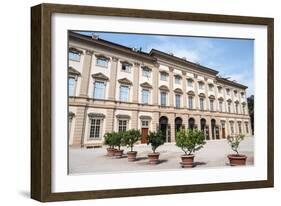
(211, 87)
(144, 123)
(201, 103)
(243, 108)
(242, 95)
(163, 96)
(126, 67)
(99, 90)
(219, 90)
(190, 102)
(146, 72)
(228, 91)
(220, 106)
(229, 107)
(122, 126)
(163, 76)
(189, 83)
(74, 56)
(236, 108)
(178, 101)
(247, 127)
(101, 61)
(235, 93)
(124, 93)
(201, 85)
(232, 127)
(239, 128)
(145, 96)
(211, 104)
(71, 86)
(177, 80)
(95, 128)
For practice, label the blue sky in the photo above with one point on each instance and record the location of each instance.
(231, 57)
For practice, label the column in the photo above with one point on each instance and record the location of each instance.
(208, 124)
(155, 121)
(79, 126)
(171, 87)
(134, 119)
(86, 71)
(196, 97)
(155, 90)
(227, 128)
(110, 117)
(136, 68)
(184, 82)
(206, 93)
(171, 121)
(113, 79)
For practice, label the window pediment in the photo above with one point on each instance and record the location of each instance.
(96, 115)
(146, 85)
(178, 91)
(220, 99)
(190, 93)
(100, 76)
(74, 50)
(126, 63)
(164, 88)
(202, 95)
(73, 71)
(145, 117)
(100, 56)
(177, 76)
(163, 72)
(125, 81)
(146, 68)
(229, 100)
(211, 97)
(123, 116)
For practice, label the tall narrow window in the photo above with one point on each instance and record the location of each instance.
(201, 85)
(124, 93)
(239, 128)
(232, 127)
(220, 105)
(99, 90)
(201, 103)
(247, 127)
(229, 107)
(126, 67)
(178, 101)
(211, 87)
(122, 125)
(74, 56)
(190, 102)
(163, 76)
(190, 83)
(235, 93)
(102, 62)
(243, 108)
(95, 128)
(219, 90)
(163, 96)
(228, 91)
(71, 86)
(236, 108)
(177, 80)
(145, 72)
(145, 96)
(211, 104)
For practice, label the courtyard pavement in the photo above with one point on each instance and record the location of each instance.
(214, 154)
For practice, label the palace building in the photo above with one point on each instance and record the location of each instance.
(115, 88)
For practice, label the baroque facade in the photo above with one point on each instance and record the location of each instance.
(115, 88)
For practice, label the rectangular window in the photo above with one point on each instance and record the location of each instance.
(211, 104)
(95, 128)
(145, 72)
(74, 56)
(219, 90)
(145, 96)
(122, 126)
(243, 107)
(228, 91)
(201, 104)
(71, 86)
(178, 101)
(235, 93)
(201, 85)
(177, 80)
(190, 102)
(163, 76)
(236, 108)
(247, 128)
(189, 83)
(211, 87)
(232, 128)
(124, 93)
(144, 123)
(239, 128)
(103, 62)
(163, 96)
(99, 90)
(242, 95)
(229, 107)
(126, 67)
(220, 105)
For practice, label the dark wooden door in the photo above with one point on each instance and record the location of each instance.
(144, 133)
(223, 133)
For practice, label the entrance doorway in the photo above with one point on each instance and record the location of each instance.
(163, 124)
(144, 133)
(203, 126)
(191, 123)
(178, 123)
(223, 129)
(213, 125)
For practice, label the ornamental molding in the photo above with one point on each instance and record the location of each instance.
(178, 91)
(100, 76)
(125, 81)
(146, 85)
(96, 115)
(73, 71)
(164, 88)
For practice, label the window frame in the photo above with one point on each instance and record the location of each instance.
(104, 59)
(104, 92)
(177, 100)
(148, 96)
(165, 95)
(124, 86)
(100, 128)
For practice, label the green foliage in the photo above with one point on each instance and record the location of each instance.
(109, 139)
(155, 139)
(131, 137)
(235, 141)
(190, 140)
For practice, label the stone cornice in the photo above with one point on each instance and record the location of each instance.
(178, 91)
(146, 85)
(100, 76)
(164, 88)
(125, 81)
(96, 115)
(73, 71)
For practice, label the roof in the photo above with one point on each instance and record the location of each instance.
(232, 83)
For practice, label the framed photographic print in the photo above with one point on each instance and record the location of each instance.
(130, 102)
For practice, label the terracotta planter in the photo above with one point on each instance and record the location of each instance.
(237, 160)
(132, 156)
(118, 153)
(187, 161)
(153, 158)
(110, 152)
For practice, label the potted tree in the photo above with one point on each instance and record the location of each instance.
(189, 141)
(109, 140)
(155, 139)
(130, 138)
(118, 141)
(236, 159)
